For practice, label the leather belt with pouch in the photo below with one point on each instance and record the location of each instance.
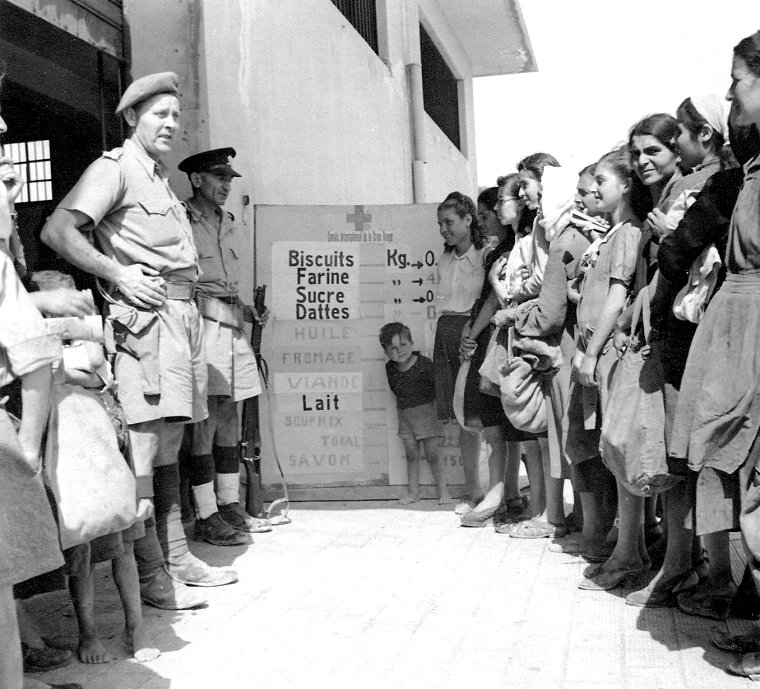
(220, 312)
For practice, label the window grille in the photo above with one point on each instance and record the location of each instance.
(32, 160)
(362, 14)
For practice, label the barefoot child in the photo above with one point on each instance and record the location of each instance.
(85, 366)
(410, 377)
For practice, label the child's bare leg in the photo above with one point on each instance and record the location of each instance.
(82, 589)
(533, 451)
(438, 469)
(11, 672)
(412, 470)
(127, 582)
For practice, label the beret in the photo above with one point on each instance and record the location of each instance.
(149, 85)
(216, 160)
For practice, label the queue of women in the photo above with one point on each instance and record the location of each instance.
(611, 340)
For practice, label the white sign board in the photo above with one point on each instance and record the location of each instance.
(335, 275)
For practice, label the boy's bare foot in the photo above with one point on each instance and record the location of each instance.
(409, 499)
(92, 651)
(444, 497)
(139, 643)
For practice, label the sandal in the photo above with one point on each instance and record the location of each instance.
(665, 592)
(704, 602)
(569, 545)
(747, 666)
(604, 581)
(477, 518)
(466, 504)
(737, 643)
(536, 529)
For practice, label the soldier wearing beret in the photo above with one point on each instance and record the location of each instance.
(147, 262)
(214, 463)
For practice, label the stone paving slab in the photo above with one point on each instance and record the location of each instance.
(375, 595)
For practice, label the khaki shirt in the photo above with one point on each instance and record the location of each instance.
(136, 216)
(218, 246)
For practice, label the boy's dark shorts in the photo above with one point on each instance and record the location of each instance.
(418, 423)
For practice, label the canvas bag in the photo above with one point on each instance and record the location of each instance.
(94, 488)
(458, 401)
(632, 441)
(522, 392)
(497, 356)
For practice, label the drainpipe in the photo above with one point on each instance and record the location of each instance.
(419, 160)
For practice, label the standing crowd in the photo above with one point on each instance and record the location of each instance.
(604, 329)
(110, 419)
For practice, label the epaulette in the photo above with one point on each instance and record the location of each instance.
(114, 153)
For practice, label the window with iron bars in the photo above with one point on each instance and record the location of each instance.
(362, 14)
(32, 160)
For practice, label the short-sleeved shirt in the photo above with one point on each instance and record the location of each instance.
(217, 241)
(136, 216)
(616, 261)
(25, 344)
(412, 387)
(461, 278)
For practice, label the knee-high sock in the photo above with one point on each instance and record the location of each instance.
(169, 529)
(227, 463)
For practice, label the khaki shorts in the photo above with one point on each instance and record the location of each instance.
(418, 423)
(172, 361)
(232, 370)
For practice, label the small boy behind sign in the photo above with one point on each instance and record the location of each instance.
(410, 378)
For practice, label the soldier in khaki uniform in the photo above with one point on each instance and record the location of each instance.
(214, 463)
(148, 261)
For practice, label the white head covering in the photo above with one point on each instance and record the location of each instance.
(715, 110)
(557, 198)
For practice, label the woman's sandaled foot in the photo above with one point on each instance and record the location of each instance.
(138, 642)
(477, 518)
(705, 601)
(736, 643)
(747, 666)
(466, 504)
(534, 529)
(91, 650)
(409, 499)
(612, 575)
(569, 545)
(663, 590)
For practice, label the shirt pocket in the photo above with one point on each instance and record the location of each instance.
(162, 227)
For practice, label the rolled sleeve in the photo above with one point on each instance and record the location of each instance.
(625, 253)
(98, 192)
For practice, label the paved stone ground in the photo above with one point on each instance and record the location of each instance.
(374, 595)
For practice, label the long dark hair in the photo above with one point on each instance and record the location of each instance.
(748, 49)
(662, 127)
(619, 160)
(692, 120)
(463, 205)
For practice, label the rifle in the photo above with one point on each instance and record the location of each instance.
(250, 443)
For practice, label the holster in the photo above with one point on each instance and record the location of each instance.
(136, 332)
(216, 310)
